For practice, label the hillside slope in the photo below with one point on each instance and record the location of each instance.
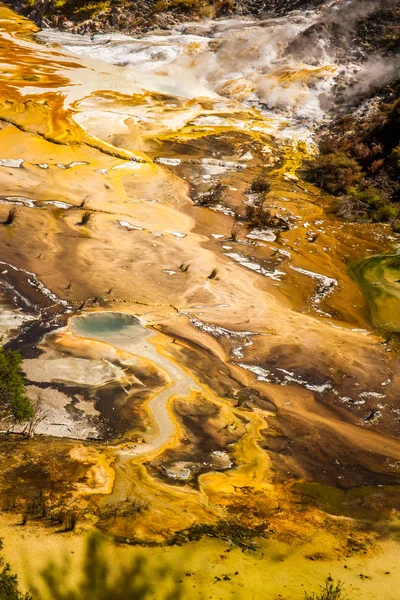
(141, 15)
(359, 143)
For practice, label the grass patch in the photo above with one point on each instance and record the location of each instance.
(331, 590)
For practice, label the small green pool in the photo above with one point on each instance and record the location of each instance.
(379, 278)
(103, 324)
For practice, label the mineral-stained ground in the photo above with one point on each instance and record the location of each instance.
(211, 351)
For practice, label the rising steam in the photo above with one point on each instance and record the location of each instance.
(295, 66)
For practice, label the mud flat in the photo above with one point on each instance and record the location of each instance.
(285, 567)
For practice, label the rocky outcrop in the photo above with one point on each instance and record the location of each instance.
(142, 15)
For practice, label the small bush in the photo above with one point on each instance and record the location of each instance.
(261, 217)
(82, 9)
(185, 6)
(260, 186)
(258, 215)
(371, 197)
(335, 173)
(21, 408)
(225, 6)
(91, 9)
(12, 388)
(387, 213)
(87, 216)
(11, 217)
(369, 204)
(395, 160)
(331, 590)
(212, 196)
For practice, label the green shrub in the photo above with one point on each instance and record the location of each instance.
(395, 159)
(372, 197)
(186, 6)
(335, 173)
(205, 8)
(387, 213)
(331, 590)
(12, 388)
(91, 9)
(368, 204)
(79, 9)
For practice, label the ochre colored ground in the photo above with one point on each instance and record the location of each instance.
(89, 138)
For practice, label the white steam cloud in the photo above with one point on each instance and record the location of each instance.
(376, 72)
(289, 65)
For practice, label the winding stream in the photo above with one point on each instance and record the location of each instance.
(126, 332)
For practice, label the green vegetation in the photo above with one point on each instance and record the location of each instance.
(13, 398)
(395, 159)
(204, 8)
(368, 204)
(360, 163)
(130, 14)
(361, 198)
(186, 6)
(334, 172)
(80, 9)
(331, 590)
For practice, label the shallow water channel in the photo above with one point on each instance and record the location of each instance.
(126, 332)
